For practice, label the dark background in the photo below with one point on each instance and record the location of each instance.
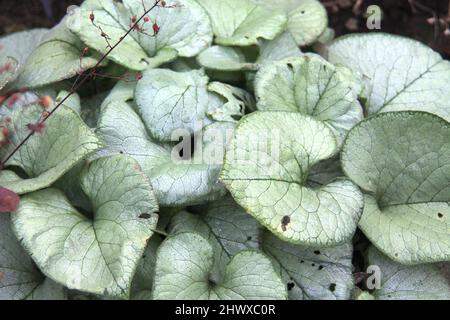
(405, 17)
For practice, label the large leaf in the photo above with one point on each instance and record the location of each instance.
(19, 277)
(185, 30)
(400, 282)
(310, 273)
(99, 256)
(183, 272)
(14, 53)
(266, 170)
(58, 57)
(311, 86)
(400, 73)
(47, 155)
(306, 19)
(242, 22)
(402, 160)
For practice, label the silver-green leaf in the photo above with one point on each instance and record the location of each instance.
(99, 256)
(266, 170)
(402, 161)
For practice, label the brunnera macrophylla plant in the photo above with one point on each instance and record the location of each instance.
(188, 149)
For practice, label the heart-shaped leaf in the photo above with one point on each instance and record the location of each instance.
(48, 154)
(19, 277)
(183, 30)
(242, 22)
(399, 73)
(402, 160)
(266, 170)
(400, 282)
(100, 255)
(306, 272)
(183, 272)
(311, 86)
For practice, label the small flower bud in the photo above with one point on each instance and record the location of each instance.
(36, 127)
(45, 101)
(146, 19)
(156, 28)
(92, 17)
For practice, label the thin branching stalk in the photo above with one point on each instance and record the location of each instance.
(81, 82)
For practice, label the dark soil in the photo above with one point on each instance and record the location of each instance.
(404, 17)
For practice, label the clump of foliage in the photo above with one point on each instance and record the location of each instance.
(299, 172)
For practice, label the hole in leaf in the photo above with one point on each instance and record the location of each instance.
(320, 267)
(145, 216)
(249, 238)
(302, 261)
(290, 286)
(440, 215)
(317, 252)
(332, 287)
(313, 264)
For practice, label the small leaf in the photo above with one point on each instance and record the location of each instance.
(9, 201)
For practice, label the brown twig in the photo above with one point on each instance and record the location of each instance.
(83, 80)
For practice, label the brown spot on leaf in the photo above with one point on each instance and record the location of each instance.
(284, 222)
